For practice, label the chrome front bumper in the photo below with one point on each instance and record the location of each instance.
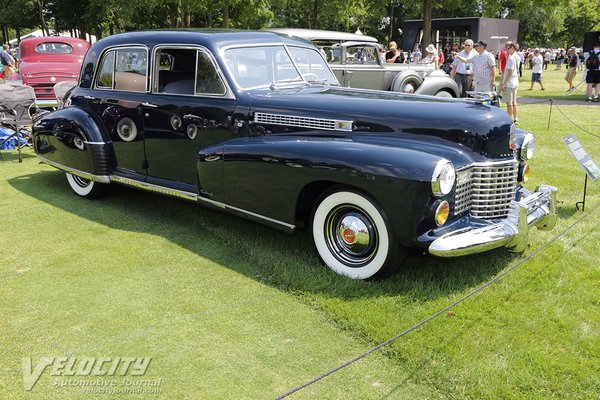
(534, 209)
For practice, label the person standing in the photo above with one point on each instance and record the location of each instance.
(592, 77)
(510, 82)
(572, 68)
(536, 69)
(8, 62)
(432, 56)
(484, 67)
(546, 59)
(502, 57)
(521, 56)
(461, 71)
(394, 55)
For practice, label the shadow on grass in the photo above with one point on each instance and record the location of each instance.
(13, 156)
(287, 262)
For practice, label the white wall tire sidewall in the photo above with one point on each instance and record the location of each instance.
(81, 191)
(320, 216)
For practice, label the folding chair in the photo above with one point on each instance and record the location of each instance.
(60, 89)
(15, 102)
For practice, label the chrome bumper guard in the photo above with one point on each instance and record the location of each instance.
(537, 209)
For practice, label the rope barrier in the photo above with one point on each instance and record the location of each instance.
(433, 316)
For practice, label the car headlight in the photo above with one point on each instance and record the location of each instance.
(528, 146)
(444, 176)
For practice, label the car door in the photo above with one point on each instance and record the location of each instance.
(190, 108)
(115, 97)
(362, 66)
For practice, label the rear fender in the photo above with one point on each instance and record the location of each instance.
(73, 140)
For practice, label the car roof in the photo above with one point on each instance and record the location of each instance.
(315, 34)
(51, 39)
(217, 38)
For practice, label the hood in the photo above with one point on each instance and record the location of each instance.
(483, 129)
(63, 69)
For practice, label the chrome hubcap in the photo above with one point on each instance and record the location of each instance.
(351, 235)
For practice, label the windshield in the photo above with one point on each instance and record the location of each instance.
(261, 66)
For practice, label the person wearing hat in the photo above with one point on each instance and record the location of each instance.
(484, 67)
(536, 69)
(572, 69)
(461, 71)
(432, 56)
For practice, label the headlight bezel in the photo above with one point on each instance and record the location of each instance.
(443, 178)
(528, 147)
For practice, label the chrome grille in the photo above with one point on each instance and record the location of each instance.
(302, 122)
(486, 190)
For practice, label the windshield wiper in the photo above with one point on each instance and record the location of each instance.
(283, 82)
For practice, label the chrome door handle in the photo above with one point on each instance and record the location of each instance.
(145, 104)
(89, 97)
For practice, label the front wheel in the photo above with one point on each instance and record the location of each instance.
(86, 188)
(443, 93)
(353, 237)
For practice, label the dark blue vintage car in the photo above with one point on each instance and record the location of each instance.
(256, 124)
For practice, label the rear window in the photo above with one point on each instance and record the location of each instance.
(54, 48)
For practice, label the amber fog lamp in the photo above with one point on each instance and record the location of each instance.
(442, 210)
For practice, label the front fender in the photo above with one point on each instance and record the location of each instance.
(72, 139)
(265, 175)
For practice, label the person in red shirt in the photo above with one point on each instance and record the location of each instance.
(502, 57)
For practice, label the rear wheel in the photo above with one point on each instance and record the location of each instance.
(86, 188)
(353, 237)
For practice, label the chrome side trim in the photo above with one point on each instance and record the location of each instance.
(154, 188)
(248, 213)
(76, 172)
(194, 197)
(98, 143)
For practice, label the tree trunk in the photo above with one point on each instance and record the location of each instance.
(18, 33)
(226, 14)
(44, 26)
(426, 25)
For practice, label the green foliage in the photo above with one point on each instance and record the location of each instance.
(546, 23)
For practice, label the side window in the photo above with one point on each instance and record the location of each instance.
(104, 80)
(186, 72)
(208, 80)
(123, 69)
(131, 70)
(332, 54)
(361, 55)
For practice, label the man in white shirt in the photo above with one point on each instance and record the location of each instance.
(484, 67)
(461, 71)
(536, 69)
(510, 82)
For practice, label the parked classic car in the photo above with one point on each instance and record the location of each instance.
(255, 123)
(45, 61)
(355, 61)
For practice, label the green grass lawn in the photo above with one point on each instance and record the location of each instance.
(230, 309)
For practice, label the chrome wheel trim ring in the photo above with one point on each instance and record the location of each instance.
(351, 235)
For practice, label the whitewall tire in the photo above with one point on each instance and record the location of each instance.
(353, 237)
(86, 188)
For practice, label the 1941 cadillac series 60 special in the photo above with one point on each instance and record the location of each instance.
(256, 124)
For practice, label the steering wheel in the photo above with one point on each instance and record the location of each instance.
(310, 76)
